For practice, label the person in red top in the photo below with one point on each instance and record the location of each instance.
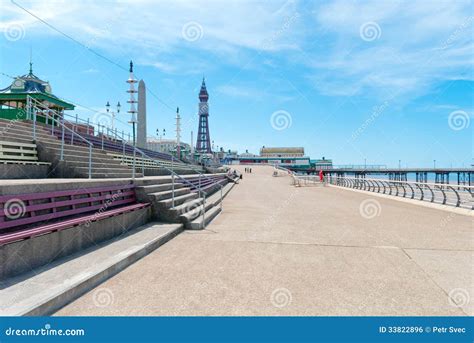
(321, 175)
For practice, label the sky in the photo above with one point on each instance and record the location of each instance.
(376, 82)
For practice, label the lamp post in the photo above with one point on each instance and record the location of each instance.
(434, 164)
(160, 136)
(178, 134)
(107, 107)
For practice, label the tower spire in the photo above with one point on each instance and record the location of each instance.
(203, 139)
(31, 61)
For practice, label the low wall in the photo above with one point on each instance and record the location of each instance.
(23, 171)
(25, 255)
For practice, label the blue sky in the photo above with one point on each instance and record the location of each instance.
(348, 80)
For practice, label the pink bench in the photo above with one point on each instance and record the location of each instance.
(24, 216)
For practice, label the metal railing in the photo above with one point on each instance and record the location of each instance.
(445, 194)
(308, 180)
(36, 108)
(202, 194)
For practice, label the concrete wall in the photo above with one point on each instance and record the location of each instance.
(23, 256)
(23, 171)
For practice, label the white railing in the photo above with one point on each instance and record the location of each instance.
(445, 194)
(36, 108)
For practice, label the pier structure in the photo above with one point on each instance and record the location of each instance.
(462, 176)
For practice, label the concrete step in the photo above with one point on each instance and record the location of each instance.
(199, 223)
(159, 188)
(167, 203)
(12, 137)
(161, 180)
(104, 170)
(187, 213)
(48, 289)
(25, 133)
(108, 175)
(70, 147)
(157, 196)
(194, 210)
(85, 158)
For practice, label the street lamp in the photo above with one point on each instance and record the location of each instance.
(434, 164)
(107, 107)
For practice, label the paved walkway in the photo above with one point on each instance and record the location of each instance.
(280, 250)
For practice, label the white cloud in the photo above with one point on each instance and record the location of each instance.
(421, 42)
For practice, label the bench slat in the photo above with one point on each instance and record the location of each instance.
(54, 204)
(15, 236)
(56, 215)
(55, 194)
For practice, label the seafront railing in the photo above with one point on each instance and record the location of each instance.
(445, 194)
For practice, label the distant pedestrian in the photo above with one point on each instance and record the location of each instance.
(321, 175)
(250, 170)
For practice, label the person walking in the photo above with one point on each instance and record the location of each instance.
(321, 175)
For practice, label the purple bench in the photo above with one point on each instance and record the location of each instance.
(24, 216)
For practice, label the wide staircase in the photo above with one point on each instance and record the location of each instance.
(148, 163)
(75, 161)
(190, 199)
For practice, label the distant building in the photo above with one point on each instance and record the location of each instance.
(281, 152)
(167, 146)
(322, 164)
(283, 156)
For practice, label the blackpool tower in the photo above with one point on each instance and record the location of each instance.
(203, 145)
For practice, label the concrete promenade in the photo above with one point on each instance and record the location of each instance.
(280, 250)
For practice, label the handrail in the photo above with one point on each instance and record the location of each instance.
(412, 182)
(457, 194)
(201, 191)
(33, 104)
(173, 175)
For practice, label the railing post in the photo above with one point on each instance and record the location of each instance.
(200, 185)
(90, 161)
(34, 123)
(134, 156)
(52, 125)
(62, 141)
(172, 190)
(204, 213)
(221, 197)
(102, 135)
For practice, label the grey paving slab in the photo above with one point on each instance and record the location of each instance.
(280, 250)
(51, 287)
